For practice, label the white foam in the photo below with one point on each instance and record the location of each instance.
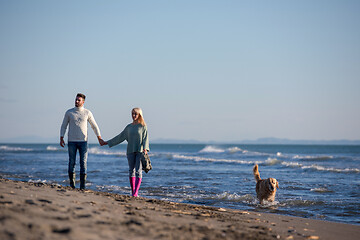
(231, 150)
(235, 150)
(98, 151)
(37, 181)
(331, 169)
(320, 168)
(198, 159)
(112, 188)
(235, 197)
(292, 164)
(272, 161)
(301, 202)
(211, 149)
(320, 190)
(255, 153)
(52, 148)
(15, 149)
(267, 204)
(309, 157)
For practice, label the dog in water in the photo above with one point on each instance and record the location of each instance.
(265, 188)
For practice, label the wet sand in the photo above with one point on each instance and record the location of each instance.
(46, 211)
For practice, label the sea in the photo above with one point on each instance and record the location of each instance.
(315, 181)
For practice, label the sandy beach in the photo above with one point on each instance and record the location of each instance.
(46, 211)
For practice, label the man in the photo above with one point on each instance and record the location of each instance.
(77, 119)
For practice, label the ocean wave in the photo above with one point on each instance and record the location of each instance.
(234, 197)
(98, 151)
(312, 158)
(266, 204)
(320, 168)
(14, 149)
(235, 150)
(37, 181)
(211, 149)
(331, 169)
(113, 188)
(292, 164)
(321, 190)
(268, 162)
(198, 159)
(272, 161)
(52, 148)
(230, 150)
(52, 182)
(301, 203)
(257, 154)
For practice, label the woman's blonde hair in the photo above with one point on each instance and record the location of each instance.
(141, 116)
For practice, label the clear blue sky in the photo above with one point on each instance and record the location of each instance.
(204, 70)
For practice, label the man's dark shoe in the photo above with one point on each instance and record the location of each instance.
(72, 179)
(82, 181)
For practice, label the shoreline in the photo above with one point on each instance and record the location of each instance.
(51, 211)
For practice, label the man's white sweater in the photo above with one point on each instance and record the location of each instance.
(77, 119)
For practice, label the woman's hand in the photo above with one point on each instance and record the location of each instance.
(145, 151)
(101, 141)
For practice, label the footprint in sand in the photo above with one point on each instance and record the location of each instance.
(29, 201)
(84, 215)
(133, 222)
(63, 230)
(103, 222)
(44, 200)
(61, 218)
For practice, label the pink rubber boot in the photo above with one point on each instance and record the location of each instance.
(137, 186)
(132, 185)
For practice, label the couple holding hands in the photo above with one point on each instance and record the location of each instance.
(134, 133)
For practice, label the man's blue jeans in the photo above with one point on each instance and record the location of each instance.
(72, 148)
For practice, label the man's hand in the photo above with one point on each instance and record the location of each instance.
(62, 142)
(101, 142)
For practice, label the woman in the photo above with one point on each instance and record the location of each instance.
(136, 135)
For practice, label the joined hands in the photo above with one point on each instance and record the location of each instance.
(102, 142)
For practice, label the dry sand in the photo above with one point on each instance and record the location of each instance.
(45, 211)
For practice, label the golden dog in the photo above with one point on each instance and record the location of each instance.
(265, 188)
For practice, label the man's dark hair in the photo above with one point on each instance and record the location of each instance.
(81, 95)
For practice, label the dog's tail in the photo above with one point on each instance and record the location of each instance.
(256, 173)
